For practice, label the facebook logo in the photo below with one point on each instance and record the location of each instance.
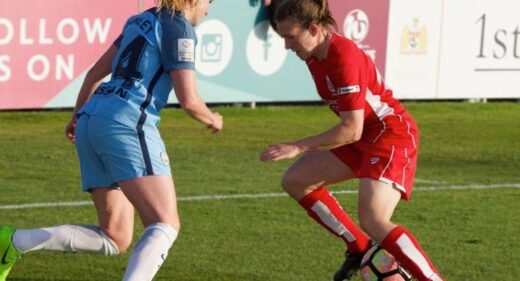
(265, 49)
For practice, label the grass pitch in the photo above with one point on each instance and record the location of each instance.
(465, 207)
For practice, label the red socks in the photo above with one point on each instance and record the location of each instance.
(407, 251)
(323, 208)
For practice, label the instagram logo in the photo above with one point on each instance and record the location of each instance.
(211, 48)
(213, 53)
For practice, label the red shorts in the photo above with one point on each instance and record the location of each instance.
(386, 163)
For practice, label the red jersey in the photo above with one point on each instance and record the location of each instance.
(347, 79)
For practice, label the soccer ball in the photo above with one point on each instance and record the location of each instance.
(379, 265)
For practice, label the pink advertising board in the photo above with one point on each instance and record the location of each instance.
(46, 45)
(365, 22)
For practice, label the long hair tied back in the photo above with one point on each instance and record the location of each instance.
(305, 12)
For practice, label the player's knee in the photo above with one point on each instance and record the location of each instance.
(374, 226)
(296, 186)
(168, 230)
(171, 220)
(176, 225)
(168, 215)
(290, 181)
(123, 245)
(369, 224)
(120, 239)
(365, 225)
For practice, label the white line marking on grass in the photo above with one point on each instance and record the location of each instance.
(46, 205)
(429, 181)
(261, 195)
(233, 196)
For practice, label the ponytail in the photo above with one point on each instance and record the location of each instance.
(305, 12)
(325, 14)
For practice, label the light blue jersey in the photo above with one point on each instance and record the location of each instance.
(116, 134)
(151, 45)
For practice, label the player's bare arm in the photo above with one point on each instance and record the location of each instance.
(94, 76)
(186, 91)
(348, 130)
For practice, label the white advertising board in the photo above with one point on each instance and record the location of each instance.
(413, 48)
(480, 51)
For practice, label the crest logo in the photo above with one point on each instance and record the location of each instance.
(414, 38)
(186, 50)
(165, 159)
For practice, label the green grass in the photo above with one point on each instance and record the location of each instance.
(471, 234)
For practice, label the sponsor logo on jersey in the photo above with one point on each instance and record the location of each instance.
(349, 89)
(186, 50)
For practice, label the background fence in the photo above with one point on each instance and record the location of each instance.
(458, 49)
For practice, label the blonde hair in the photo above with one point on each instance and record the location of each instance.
(174, 5)
(305, 12)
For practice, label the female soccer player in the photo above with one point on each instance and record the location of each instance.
(123, 160)
(375, 140)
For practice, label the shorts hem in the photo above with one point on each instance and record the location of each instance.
(90, 187)
(404, 192)
(140, 176)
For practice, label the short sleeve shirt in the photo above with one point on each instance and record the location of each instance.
(151, 45)
(348, 80)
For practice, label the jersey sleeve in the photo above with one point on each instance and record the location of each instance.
(118, 40)
(351, 85)
(177, 45)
